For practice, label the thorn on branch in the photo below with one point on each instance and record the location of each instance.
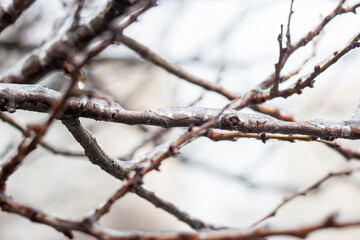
(317, 69)
(174, 150)
(68, 234)
(331, 220)
(356, 45)
(263, 137)
(191, 127)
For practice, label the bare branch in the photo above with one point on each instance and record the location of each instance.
(78, 43)
(288, 36)
(66, 226)
(278, 66)
(47, 59)
(120, 170)
(38, 98)
(339, 10)
(149, 55)
(305, 191)
(256, 97)
(42, 143)
(37, 131)
(13, 12)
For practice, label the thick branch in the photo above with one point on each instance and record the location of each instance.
(40, 99)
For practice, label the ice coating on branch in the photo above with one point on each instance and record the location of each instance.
(146, 159)
(322, 124)
(346, 131)
(177, 113)
(15, 92)
(27, 90)
(331, 125)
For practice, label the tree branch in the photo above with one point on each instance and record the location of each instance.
(40, 99)
(305, 191)
(13, 12)
(120, 170)
(46, 59)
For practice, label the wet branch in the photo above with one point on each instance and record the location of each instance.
(306, 190)
(40, 99)
(46, 59)
(12, 13)
(120, 170)
(309, 37)
(42, 143)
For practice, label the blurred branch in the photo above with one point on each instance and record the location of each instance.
(288, 36)
(42, 143)
(46, 59)
(240, 178)
(278, 66)
(66, 226)
(13, 12)
(306, 190)
(80, 6)
(36, 132)
(291, 48)
(150, 136)
(151, 56)
(256, 97)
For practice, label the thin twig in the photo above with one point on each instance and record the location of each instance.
(66, 226)
(36, 132)
(80, 6)
(338, 10)
(151, 56)
(278, 66)
(47, 59)
(305, 191)
(42, 143)
(256, 97)
(288, 36)
(120, 170)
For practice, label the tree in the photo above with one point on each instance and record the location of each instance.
(78, 45)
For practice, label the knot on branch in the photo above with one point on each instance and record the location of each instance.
(231, 122)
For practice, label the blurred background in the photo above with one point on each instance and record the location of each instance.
(233, 42)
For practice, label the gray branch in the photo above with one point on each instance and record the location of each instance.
(40, 99)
